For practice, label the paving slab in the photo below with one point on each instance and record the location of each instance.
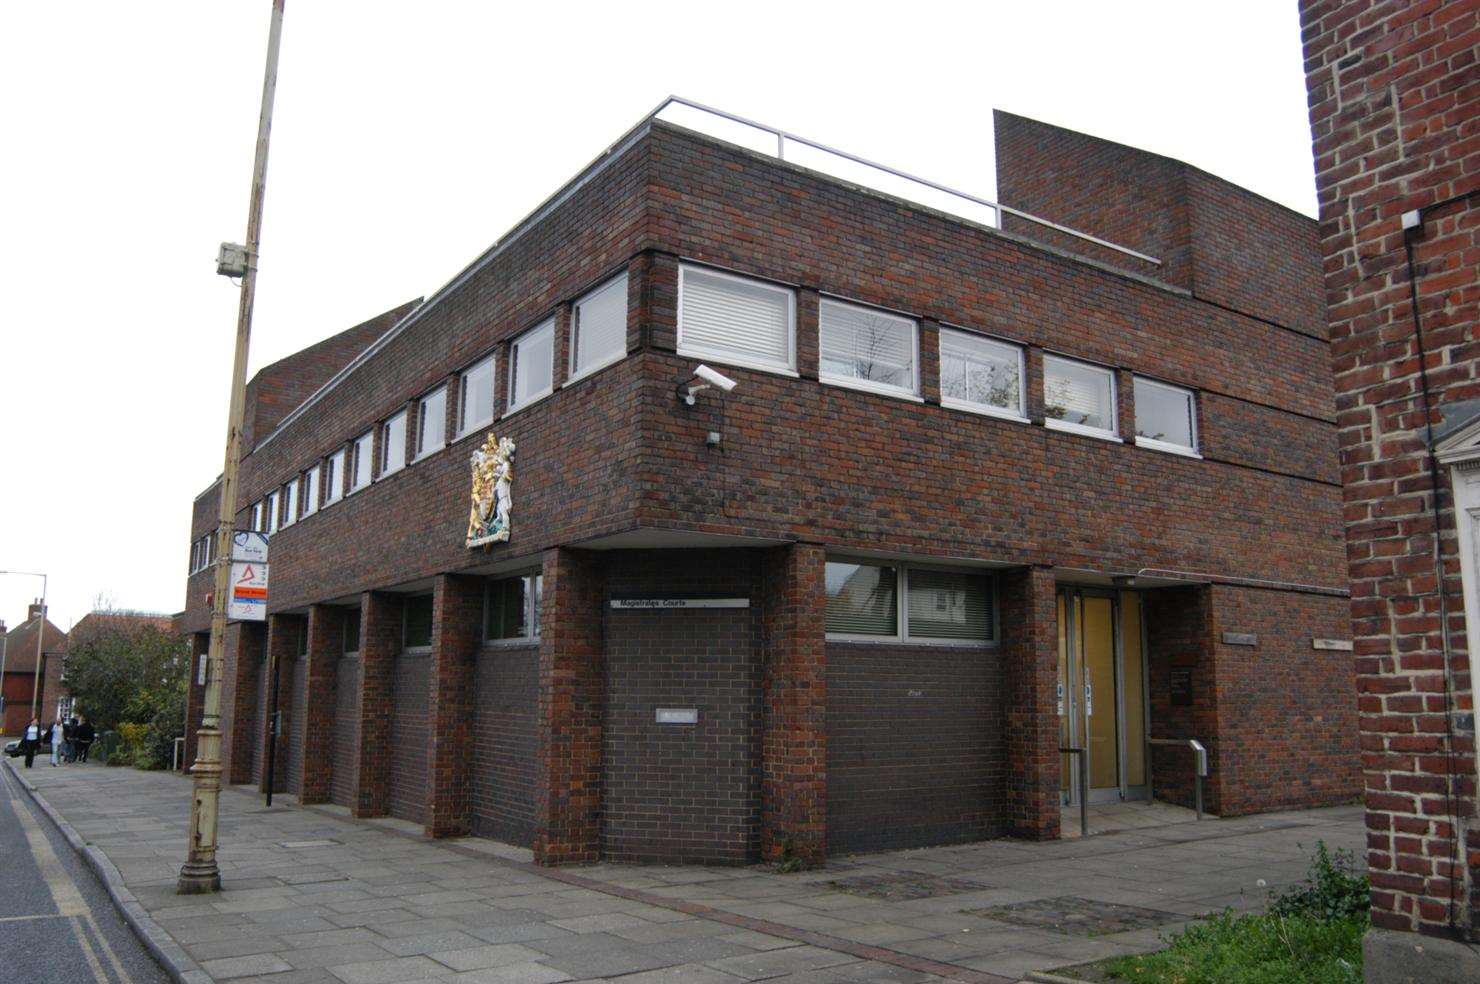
(312, 895)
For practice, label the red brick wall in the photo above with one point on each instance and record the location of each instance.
(375, 752)
(914, 745)
(505, 743)
(1392, 106)
(346, 735)
(457, 630)
(410, 737)
(1179, 637)
(1030, 799)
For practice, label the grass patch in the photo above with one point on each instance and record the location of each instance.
(1312, 933)
(1257, 949)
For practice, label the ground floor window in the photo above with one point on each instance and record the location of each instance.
(511, 608)
(418, 622)
(906, 602)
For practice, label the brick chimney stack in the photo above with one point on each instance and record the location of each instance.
(34, 610)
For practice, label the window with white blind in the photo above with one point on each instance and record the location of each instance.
(532, 366)
(865, 348)
(359, 461)
(1078, 397)
(475, 397)
(431, 422)
(290, 503)
(256, 520)
(334, 477)
(393, 444)
(311, 491)
(981, 374)
(1166, 417)
(735, 320)
(598, 328)
(907, 603)
(272, 503)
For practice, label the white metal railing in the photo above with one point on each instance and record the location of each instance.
(832, 161)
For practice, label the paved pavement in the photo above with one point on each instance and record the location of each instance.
(313, 896)
(57, 923)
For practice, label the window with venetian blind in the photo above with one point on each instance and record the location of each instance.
(736, 320)
(865, 348)
(1078, 396)
(598, 328)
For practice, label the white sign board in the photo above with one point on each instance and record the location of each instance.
(248, 599)
(677, 715)
(637, 603)
(249, 546)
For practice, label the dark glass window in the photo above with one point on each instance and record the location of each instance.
(418, 621)
(512, 610)
(352, 630)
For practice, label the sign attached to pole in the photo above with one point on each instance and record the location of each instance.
(248, 600)
(249, 546)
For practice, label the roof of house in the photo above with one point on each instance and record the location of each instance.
(94, 624)
(20, 645)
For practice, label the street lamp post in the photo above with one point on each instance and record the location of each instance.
(200, 873)
(40, 632)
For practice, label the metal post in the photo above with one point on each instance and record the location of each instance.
(40, 634)
(274, 723)
(4, 640)
(200, 872)
(1083, 787)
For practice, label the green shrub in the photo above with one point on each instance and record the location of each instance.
(1257, 949)
(131, 744)
(1332, 891)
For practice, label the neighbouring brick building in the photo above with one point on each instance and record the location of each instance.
(1394, 91)
(18, 683)
(978, 492)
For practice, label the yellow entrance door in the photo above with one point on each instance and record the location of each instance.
(1100, 698)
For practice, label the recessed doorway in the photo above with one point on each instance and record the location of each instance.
(1102, 694)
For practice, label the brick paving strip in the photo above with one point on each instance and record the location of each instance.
(315, 896)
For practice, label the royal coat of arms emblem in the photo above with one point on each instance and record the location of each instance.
(493, 476)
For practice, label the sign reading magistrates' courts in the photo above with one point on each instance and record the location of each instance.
(667, 603)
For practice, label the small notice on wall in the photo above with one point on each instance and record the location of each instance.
(1336, 645)
(1180, 684)
(692, 602)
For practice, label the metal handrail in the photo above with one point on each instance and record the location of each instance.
(1083, 754)
(1200, 761)
(782, 136)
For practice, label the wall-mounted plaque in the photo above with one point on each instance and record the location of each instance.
(626, 604)
(1180, 685)
(1336, 645)
(1240, 639)
(677, 715)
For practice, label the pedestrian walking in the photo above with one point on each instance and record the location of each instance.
(30, 741)
(54, 735)
(69, 731)
(85, 737)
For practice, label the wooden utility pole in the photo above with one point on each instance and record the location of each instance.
(200, 872)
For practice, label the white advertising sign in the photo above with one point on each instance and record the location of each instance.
(248, 599)
(249, 546)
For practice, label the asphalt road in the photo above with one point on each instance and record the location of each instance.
(57, 923)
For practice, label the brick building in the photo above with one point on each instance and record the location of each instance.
(980, 490)
(19, 680)
(1394, 105)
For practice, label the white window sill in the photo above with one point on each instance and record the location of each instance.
(864, 386)
(357, 488)
(423, 456)
(468, 431)
(725, 359)
(1063, 425)
(593, 370)
(526, 404)
(1167, 447)
(389, 472)
(330, 502)
(521, 642)
(416, 650)
(864, 640)
(983, 410)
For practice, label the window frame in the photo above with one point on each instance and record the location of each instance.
(730, 358)
(310, 503)
(465, 426)
(334, 477)
(368, 439)
(1053, 423)
(902, 635)
(422, 450)
(344, 651)
(406, 624)
(547, 325)
(573, 373)
(868, 385)
(254, 518)
(1170, 447)
(291, 504)
(386, 444)
(531, 609)
(986, 409)
(273, 506)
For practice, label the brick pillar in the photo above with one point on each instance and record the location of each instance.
(1125, 405)
(316, 733)
(200, 644)
(1180, 636)
(457, 614)
(794, 742)
(282, 649)
(571, 702)
(246, 647)
(380, 641)
(1030, 658)
(930, 361)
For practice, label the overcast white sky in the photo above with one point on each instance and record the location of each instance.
(409, 136)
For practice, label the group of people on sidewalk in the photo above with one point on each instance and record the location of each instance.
(70, 740)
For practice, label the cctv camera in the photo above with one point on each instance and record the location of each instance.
(713, 378)
(709, 378)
